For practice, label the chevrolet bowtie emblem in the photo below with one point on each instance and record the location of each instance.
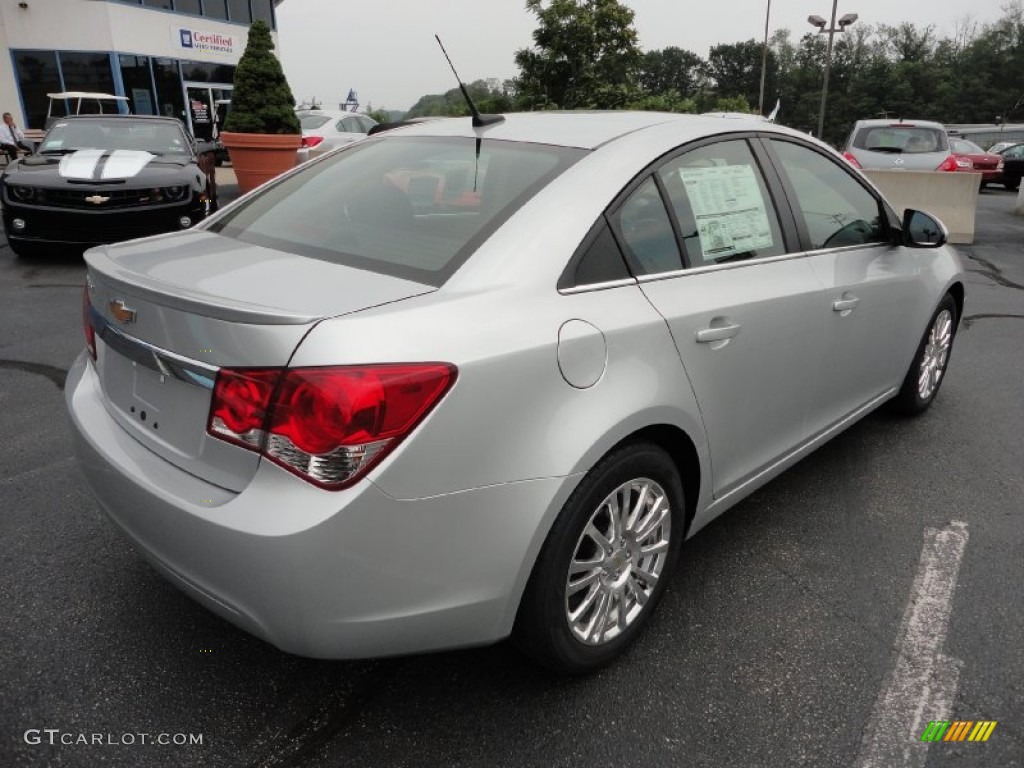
(122, 313)
(96, 199)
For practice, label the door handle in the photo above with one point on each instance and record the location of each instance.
(717, 333)
(845, 304)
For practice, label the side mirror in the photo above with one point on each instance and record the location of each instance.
(921, 230)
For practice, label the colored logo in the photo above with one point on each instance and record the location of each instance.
(122, 312)
(186, 38)
(958, 730)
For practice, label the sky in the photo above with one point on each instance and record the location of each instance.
(385, 49)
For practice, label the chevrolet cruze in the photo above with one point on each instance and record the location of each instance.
(459, 382)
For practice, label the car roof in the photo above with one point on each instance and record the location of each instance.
(581, 129)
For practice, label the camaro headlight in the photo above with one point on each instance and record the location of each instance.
(175, 193)
(21, 194)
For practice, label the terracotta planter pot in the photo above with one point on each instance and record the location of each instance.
(259, 157)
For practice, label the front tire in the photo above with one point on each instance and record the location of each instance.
(605, 563)
(922, 382)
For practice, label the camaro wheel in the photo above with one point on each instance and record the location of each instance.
(926, 372)
(605, 563)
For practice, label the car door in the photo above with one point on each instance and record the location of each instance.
(871, 284)
(745, 314)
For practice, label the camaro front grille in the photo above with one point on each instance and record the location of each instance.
(102, 199)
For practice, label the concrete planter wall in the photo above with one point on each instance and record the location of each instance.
(950, 197)
(257, 157)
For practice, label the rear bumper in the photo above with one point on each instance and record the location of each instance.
(349, 574)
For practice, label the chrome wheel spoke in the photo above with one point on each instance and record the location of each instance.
(654, 549)
(591, 578)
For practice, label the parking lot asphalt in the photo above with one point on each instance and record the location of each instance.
(779, 643)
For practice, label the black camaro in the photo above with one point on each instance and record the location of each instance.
(106, 178)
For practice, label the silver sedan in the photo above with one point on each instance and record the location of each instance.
(452, 384)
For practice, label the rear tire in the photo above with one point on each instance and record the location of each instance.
(1012, 185)
(605, 563)
(922, 382)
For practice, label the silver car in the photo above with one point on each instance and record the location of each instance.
(327, 129)
(452, 384)
(907, 145)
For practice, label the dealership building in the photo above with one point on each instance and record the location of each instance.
(166, 57)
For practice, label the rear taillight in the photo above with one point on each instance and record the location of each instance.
(949, 164)
(851, 159)
(311, 141)
(329, 426)
(90, 332)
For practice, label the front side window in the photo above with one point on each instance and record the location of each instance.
(836, 209)
(410, 207)
(721, 204)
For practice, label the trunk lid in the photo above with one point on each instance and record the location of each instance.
(171, 310)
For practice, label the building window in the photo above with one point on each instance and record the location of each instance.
(37, 75)
(239, 11)
(138, 84)
(170, 101)
(261, 9)
(215, 9)
(207, 72)
(87, 72)
(164, 4)
(188, 6)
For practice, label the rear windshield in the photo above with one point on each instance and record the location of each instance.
(310, 122)
(965, 147)
(412, 207)
(901, 139)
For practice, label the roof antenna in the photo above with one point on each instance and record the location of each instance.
(479, 121)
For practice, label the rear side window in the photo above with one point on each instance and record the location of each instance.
(835, 208)
(721, 204)
(901, 139)
(412, 207)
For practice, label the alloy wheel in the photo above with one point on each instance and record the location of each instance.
(617, 561)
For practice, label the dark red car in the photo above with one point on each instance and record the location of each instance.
(990, 165)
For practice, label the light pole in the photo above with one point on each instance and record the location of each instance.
(846, 20)
(764, 59)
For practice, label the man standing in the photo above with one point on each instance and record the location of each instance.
(12, 138)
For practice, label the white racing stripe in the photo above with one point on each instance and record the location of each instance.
(80, 164)
(924, 681)
(125, 163)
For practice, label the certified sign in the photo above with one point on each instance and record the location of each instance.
(193, 41)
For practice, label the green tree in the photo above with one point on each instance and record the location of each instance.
(736, 71)
(672, 69)
(261, 101)
(585, 56)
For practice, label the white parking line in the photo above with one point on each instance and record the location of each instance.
(923, 681)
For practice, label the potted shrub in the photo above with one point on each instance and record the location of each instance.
(261, 132)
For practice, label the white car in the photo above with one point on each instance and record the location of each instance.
(326, 129)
